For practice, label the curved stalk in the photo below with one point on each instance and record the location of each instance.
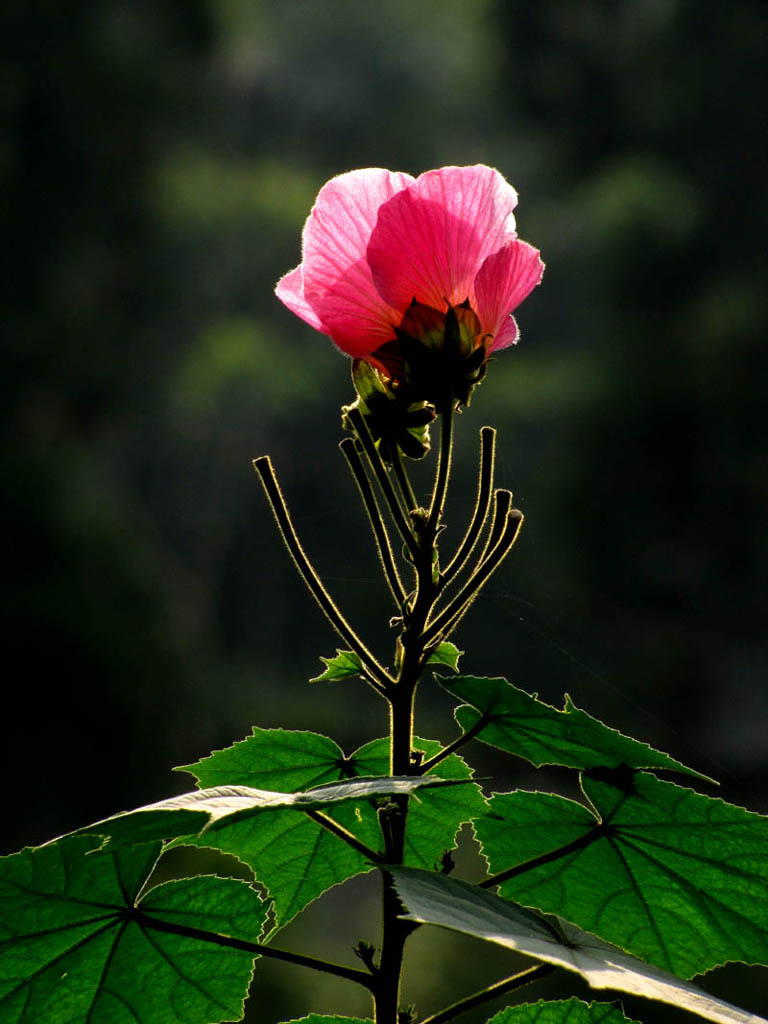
(449, 618)
(402, 478)
(357, 420)
(443, 472)
(484, 489)
(375, 673)
(351, 454)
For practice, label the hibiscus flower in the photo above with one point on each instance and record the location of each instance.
(393, 264)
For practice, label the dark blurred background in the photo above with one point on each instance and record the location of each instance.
(157, 164)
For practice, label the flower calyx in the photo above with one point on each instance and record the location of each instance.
(393, 417)
(436, 356)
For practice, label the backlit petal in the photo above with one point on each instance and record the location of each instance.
(290, 290)
(430, 240)
(504, 280)
(337, 280)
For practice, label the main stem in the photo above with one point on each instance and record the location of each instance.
(401, 695)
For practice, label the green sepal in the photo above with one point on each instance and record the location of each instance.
(672, 876)
(343, 666)
(521, 724)
(392, 417)
(77, 942)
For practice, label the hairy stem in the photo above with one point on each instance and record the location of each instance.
(410, 658)
(402, 479)
(376, 673)
(357, 420)
(443, 472)
(444, 624)
(351, 454)
(482, 503)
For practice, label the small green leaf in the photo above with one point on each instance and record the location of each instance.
(447, 654)
(278, 759)
(431, 898)
(295, 858)
(675, 877)
(344, 665)
(513, 720)
(562, 1011)
(77, 942)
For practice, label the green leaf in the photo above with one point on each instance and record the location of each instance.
(295, 858)
(447, 654)
(344, 665)
(675, 877)
(562, 1011)
(321, 1018)
(222, 806)
(431, 898)
(276, 759)
(435, 815)
(515, 721)
(78, 944)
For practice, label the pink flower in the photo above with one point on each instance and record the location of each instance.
(377, 241)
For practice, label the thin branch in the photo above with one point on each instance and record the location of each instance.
(256, 948)
(502, 503)
(357, 420)
(484, 489)
(402, 478)
(492, 992)
(443, 471)
(346, 836)
(465, 737)
(444, 624)
(376, 673)
(351, 454)
(574, 846)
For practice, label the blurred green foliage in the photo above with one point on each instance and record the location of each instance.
(157, 167)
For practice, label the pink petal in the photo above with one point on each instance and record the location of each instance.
(337, 280)
(431, 238)
(504, 280)
(290, 290)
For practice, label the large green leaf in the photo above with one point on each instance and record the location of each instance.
(562, 1011)
(297, 859)
(321, 1018)
(276, 759)
(223, 806)
(513, 720)
(431, 898)
(675, 877)
(78, 943)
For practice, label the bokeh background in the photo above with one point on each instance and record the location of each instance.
(157, 165)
